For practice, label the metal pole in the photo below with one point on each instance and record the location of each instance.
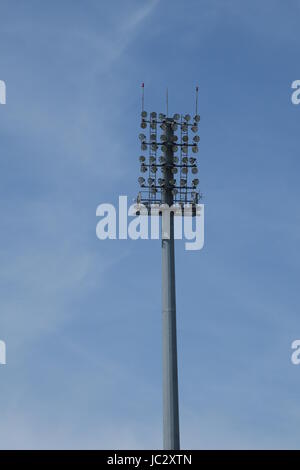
(170, 373)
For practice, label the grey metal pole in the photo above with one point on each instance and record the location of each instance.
(170, 372)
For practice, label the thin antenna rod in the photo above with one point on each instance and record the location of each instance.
(197, 90)
(167, 102)
(143, 87)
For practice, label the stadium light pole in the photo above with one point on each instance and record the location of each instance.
(171, 440)
(166, 190)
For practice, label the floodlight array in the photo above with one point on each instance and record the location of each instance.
(156, 169)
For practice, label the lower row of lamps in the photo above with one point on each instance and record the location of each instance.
(162, 182)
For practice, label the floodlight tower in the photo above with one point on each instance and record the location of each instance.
(166, 190)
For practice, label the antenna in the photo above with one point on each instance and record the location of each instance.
(197, 90)
(167, 101)
(143, 87)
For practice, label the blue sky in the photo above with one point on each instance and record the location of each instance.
(82, 317)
